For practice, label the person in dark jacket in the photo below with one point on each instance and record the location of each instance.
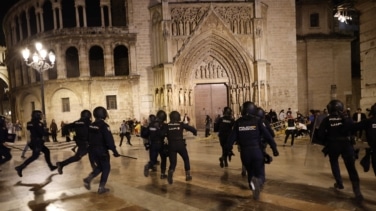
(224, 128)
(5, 155)
(154, 134)
(335, 131)
(247, 131)
(100, 141)
(81, 131)
(176, 144)
(37, 133)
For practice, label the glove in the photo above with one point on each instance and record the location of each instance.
(230, 154)
(147, 146)
(275, 152)
(116, 154)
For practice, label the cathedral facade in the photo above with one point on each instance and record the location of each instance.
(136, 57)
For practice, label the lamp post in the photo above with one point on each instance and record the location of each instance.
(40, 64)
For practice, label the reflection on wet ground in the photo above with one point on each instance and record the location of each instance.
(299, 179)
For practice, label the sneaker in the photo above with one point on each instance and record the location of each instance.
(338, 186)
(102, 190)
(19, 170)
(163, 176)
(146, 170)
(169, 177)
(255, 186)
(59, 168)
(87, 183)
(221, 164)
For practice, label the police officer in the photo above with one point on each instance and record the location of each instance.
(37, 133)
(176, 144)
(100, 141)
(154, 133)
(335, 131)
(369, 126)
(81, 129)
(4, 150)
(247, 131)
(224, 128)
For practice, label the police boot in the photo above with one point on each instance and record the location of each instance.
(188, 176)
(225, 160)
(102, 189)
(356, 189)
(221, 162)
(19, 170)
(87, 181)
(146, 170)
(59, 167)
(163, 176)
(255, 185)
(169, 176)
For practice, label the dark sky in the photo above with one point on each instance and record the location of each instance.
(5, 5)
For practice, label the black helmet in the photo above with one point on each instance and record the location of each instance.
(248, 108)
(36, 115)
(86, 114)
(152, 118)
(161, 115)
(260, 112)
(2, 120)
(335, 107)
(175, 116)
(100, 113)
(373, 110)
(227, 111)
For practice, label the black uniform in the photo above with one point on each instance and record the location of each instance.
(81, 129)
(4, 151)
(176, 144)
(100, 141)
(247, 131)
(224, 129)
(335, 132)
(369, 125)
(154, 134)
(37, 133)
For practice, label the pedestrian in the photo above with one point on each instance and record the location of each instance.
(358, 117)
(247, 131)
(123, 130)
(37, 133)
(224, 128)
(177, 145)
(53, 130)
(208, 122)
(5, 155)
(100, 141)
(154, 133)
(81, 131)
(18, 129)
(334, 132)
(291, 128)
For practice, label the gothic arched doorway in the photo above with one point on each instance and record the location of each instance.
(209, 100)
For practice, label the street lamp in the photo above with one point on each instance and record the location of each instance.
(40, 64)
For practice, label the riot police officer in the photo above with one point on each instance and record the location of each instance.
(224, 128)
(81, 130)
(100, 141)
(154, 133)
(176, 144)
(247, 131)
(4, 150)
(37, 133)
(335, 132)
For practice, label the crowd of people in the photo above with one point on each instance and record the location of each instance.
(252, 132)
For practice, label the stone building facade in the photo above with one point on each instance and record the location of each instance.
(135, 57)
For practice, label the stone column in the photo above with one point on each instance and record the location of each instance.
(60, 62)
(102, 17)
(20, 27)
(28, 23)
(77, 17)
(108, 60)
(83, 59)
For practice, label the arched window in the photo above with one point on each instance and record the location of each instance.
(68, 12)
(33, 21)
(121, 60)
(93, 12)
(118, 12)
(48, 16)
(96, 61)
(72, 62)
(52, 73)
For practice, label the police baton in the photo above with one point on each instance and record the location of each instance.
(126, 156)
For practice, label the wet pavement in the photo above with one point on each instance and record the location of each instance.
(299, 179)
